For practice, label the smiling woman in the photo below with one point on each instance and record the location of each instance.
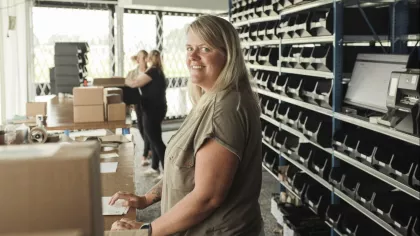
(212, 176)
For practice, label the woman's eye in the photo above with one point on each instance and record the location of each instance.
(204, 49)
(189, 49)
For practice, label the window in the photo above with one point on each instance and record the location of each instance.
(51, 25)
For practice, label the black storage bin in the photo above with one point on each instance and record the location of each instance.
(351, 181)
(281, 113)
(292, 117)
(268, 56)
(309, 90)
(271, 29)
(285, 27)
(299, 183)
(334, 215)
(259, 8)
(352, 140)
(284, 57)
(291, 144)
(270, 7)
(398, 209)
(271, 107)
(294, 57)
(367, 190)
(339, 140)
(279, 140)
(307, 227)
(336, 176)
(263, 79)
(382, 159)
(290, 173)
(302, 25)
(356, 224)
(294, 88)
(365, 151)
(318, 198)
(280, 84)
(321, 163)
(253, 54)
(321, 58)
(253, 32)
(246, 52)
(271, 162)
(261, 31)
(244, 34)
(402, 166)
(303, 154)
(318, 129)
(269, 134)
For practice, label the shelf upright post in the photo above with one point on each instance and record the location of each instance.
(399, 26)
(337, 81)
(230, 10)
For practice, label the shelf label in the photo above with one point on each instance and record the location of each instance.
(380, 211)
(310, 133)
(398, 173)
(350, 149)
(382, 164)
(348, 231)
(338, 143)
(397, 224)
(289, 152)
(363, 200)
(301, 159)
(316, 168)
(363, 156)
(369, 159)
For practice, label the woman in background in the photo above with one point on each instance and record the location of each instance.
(140, 60)
(153, 89)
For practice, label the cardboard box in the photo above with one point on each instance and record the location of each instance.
(113, 99)
(108, 91)
(127, 233)
(83, 114)
(83, 96)
(60, 188)
(109, 82)
(36, 108)
(116, 112)
(49, 233)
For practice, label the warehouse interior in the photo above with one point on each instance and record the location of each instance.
(337, 84)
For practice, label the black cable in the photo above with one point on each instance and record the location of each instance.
(370, 25)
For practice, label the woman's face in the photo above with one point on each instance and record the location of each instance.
(141, 59)
(204, 62)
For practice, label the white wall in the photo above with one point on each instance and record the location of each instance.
(14, 91)
(216, 6)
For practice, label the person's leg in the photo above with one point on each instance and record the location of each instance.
(146, 148)
(152, 125)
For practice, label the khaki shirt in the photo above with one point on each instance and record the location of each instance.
(240, 132)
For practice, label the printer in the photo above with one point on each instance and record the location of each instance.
(403, 101)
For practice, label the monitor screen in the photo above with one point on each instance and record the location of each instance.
(368, 87)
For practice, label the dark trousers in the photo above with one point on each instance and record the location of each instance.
(152, 121)
(139, 114)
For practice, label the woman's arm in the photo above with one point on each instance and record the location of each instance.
(214, 173)
(140, 202)
(138, 82)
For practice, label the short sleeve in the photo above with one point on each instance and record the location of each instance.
(224, 124)
(152, 72)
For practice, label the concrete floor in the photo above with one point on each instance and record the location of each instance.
(143, 184)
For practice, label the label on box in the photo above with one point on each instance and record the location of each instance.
(301, 159)
(369, 159)
(316, 168)
(338, 143)
(348, 231)
(380, 211)
(382, 164)
(289, 152)
(310, 133)
(397, 224)
(398, 173)
(350, 149)
(363, 156)
(363, 200)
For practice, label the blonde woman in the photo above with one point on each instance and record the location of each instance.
(141, 60)
(212, 178)
(152, 84)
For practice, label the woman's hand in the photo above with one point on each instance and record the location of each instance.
(126, 224)
(128, 82)
(130, 200)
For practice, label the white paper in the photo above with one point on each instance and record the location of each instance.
(109, 155)
(116, 209)
(88, 133)
(109, 167)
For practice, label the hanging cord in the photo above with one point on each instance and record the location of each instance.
(370, 26)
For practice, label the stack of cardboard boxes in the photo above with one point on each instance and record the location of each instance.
(94, 104)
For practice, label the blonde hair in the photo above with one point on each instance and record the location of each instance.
(155, 59)
(220, 34)
(134, 58)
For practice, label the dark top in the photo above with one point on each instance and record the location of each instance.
(154, 93)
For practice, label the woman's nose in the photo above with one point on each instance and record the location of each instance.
(194, 55)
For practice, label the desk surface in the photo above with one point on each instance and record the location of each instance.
(60, 117)
(122, 180)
